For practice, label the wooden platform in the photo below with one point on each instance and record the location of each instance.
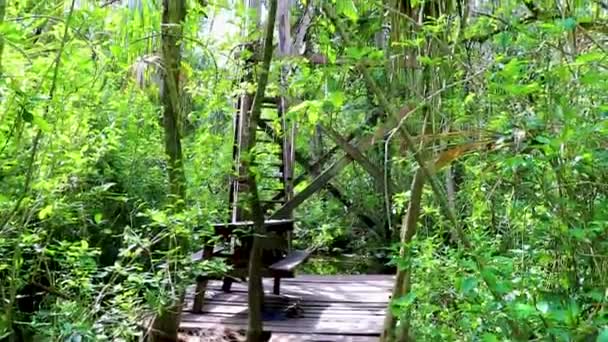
(333, 308)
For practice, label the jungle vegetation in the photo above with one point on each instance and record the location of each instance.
(483, 184)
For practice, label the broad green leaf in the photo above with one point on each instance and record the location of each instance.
(577, 233)
(42, 124)
(159, 217)
(543, 307)
(524, 310)
(27, 116)
(569, 24)
(468, 285)
(522, 89)
(588, 57)
(337, 99)
(98, 218)
(487, 337)
(402, 303)
(603, 336)
(45, 212)
(348, 9)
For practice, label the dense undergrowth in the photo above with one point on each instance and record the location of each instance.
(510, 96)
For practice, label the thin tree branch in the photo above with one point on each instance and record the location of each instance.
(255, 289)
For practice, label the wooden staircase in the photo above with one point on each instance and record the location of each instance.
(274, 169)
(274, 158)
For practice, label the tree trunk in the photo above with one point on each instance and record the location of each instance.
(255, 289)
(402, 281)
(166, 324)
(2, 14)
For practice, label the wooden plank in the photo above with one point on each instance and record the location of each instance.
(369, 287)
(316, 288)
(319, 182)
(351, 278)
(348, 325)
(267, 223)
(291, 261)
(331, 307)
(294, 337)
(327, 296)
(375, 280)
(239, 302)
(216, 250)
(282, 337)
(307, 310)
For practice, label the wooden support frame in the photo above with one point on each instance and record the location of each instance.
(374, 171)
(372, 120)
(333, 189)
(364, 144)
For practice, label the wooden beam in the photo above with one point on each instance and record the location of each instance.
(313, 187)
(369, 220)
(371, 121)
(355, 154)
(364, 144)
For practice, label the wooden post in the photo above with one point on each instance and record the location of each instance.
(276, 289)
(201, 282)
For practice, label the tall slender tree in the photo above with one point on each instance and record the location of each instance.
(256, 291)
(165, 326)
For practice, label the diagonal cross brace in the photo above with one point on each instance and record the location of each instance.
(370, 221)
(322, 179)
(374, 171)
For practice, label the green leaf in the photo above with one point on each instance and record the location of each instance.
(337, 99)
(524, 310)
(522, 89)
(590, 57)
(98, 218)
(569, 24)
(159, 217)
(348, 9)
(543, 307)
(42, 124)
(27, 116)
(603, 336)
(577, 233)
(402, 303)
(45, 212)
(468, 285)
(487, 337)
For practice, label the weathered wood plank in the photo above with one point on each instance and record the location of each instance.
(347, 326)
(280, 337)
(307, 310)
(333, 308)
(326, 296)
(291, 261)
(306, 304)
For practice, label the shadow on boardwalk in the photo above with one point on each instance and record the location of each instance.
(310, 308)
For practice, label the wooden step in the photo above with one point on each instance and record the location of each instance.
(290, 262)
(272, 201)
(277, 164)
(274, 100)
(272, 189)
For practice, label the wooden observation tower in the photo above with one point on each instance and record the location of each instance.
(275, 156)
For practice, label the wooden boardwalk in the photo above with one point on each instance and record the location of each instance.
(329, 308)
